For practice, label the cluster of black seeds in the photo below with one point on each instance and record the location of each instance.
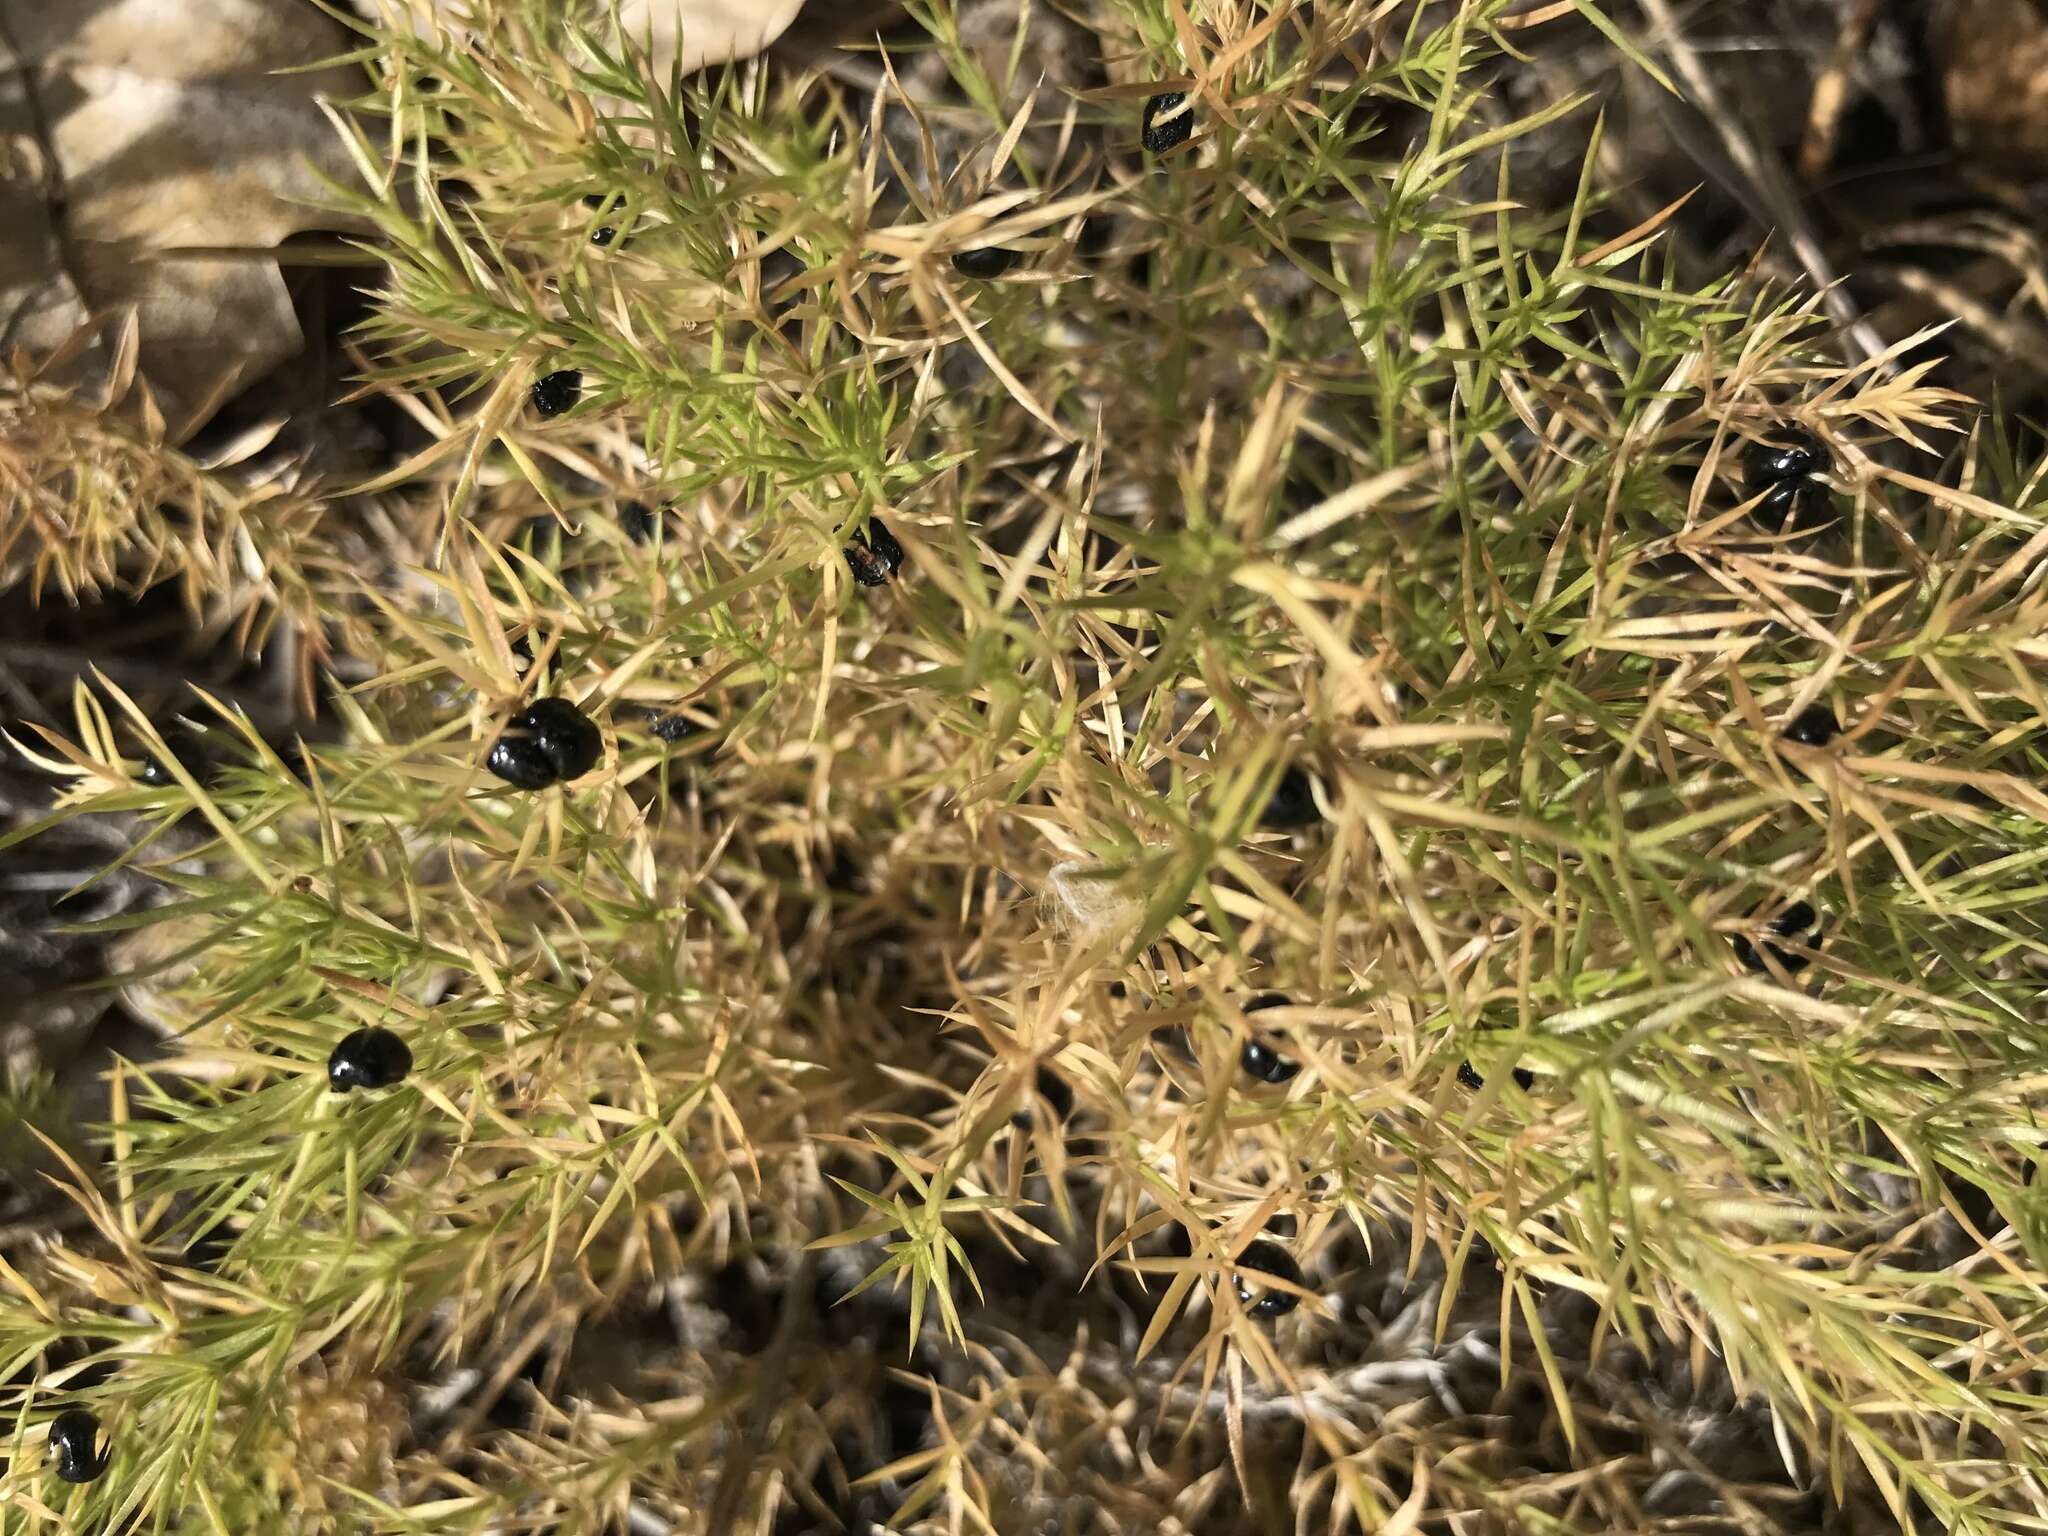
(1259, 1059)
(1469, 1076)
(1785, 468)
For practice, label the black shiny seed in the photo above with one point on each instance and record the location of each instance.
(551, 741)
(74, 1443)
(1792, 922)
(602, 235)
(1260, 1060)
(873, 557)
(1815, 727)
(1293, 802)
(185, 745)
(988, 261)
(556, 392)
(368, 1058)
(1168, 121)
(1267, 1258)
(1796, 918)
(1794, 504)
(1791, 453)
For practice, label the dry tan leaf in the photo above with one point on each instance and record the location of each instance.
(177, 158)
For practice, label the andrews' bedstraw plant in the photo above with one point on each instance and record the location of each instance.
(1304, 446)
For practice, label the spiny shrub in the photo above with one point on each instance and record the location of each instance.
(1243, 984)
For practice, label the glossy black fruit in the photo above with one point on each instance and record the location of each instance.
(1793, 922)
(1293, 802)
(1794, 504)
(1169, 119)
(1267, 1258)
(556, 392)
(988, 261)
(551, 741)
(74, 1445)
(1260, 1060)
(602, 235)
(186, 746)
(1791, 453)
(1469, 1076)
(873, 557)
(637, 521)
(293, 755)
(1815, 727)
(368, 1058)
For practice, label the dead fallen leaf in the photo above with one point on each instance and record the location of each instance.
(154, 159)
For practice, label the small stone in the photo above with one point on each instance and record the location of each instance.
(986, 262)
(671, 726)
(874, 557)
(74, 1443)
(1268, 1258)
(1790, 453)
(551, 741)
(1260, 1060)
(368, 1058)
(1793, 922)
(1292, 803)
(1169, 120)
(1815, 727)
(557, 392)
